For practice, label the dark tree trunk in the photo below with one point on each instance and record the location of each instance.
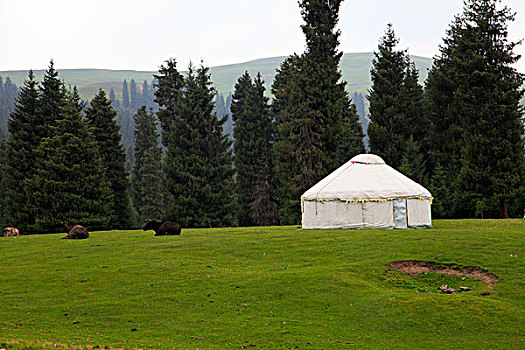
(503, 208)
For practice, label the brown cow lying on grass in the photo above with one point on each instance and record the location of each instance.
(11, 231)
(166, 228)
(75, 231)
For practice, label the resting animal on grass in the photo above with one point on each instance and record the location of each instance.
(11, 231)
(75, 231)
(166, 228)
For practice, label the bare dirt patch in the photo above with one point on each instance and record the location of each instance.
(415, 267)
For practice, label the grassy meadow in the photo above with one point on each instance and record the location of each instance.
(264, 287)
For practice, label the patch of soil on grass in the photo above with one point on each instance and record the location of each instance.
(415, 267)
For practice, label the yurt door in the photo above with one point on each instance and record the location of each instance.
(400, 213)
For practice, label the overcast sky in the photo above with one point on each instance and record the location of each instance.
(141, 35)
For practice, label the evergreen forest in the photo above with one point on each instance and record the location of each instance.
(174, 148)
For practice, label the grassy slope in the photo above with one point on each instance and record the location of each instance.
(355, 68)
(271, 287)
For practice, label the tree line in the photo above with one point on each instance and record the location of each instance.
(461, 135)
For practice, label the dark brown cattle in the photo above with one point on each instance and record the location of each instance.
(166, 228)
(75, 231)
(11, 231)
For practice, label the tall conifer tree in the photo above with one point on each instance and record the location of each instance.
(198, 165)
(34, 123)
(69, 182)
(20, 155)
(114, 101)
(312, 103)
(222, 112)
(414, 127)
(253, 135)
(101, 118)
(168, 94)
(387, 110)
(52, 99)
(144, 100)
(148, 183)
(125, 94)
(359, 101)
(133, 98)
(473, 95)
(415, 123)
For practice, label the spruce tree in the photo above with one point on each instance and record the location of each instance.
(472, 100)
(446, 134)
(69, 182)
(52, 100)
(243, 150)
(127, 126)
(101, 119)
(198, 166)
(228, 103)
(220, 106)
(229, 125)
(133, 98)
(490, 92)
(25, 136)
(125, 94)
(299, 155)
(168, 93)
(387, 112)
(148, 183)
(222, 112)
(254, 136)
(144, 100)
(312, 102)
(115, 103)
(415, 124)
(112, 95)
(359, 102)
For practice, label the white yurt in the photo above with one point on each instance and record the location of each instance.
(366, 193)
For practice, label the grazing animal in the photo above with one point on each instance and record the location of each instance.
(75, 231)
(166, 228)
(11, 231)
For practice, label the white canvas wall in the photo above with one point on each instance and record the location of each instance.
(419, 213)
(337, 214)
(371, 214)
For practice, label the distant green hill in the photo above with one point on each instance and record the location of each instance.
(355, 68)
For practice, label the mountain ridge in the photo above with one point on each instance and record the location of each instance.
(355, 68)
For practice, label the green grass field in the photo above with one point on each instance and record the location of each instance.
(265, 287)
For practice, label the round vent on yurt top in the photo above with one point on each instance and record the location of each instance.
(367, 159)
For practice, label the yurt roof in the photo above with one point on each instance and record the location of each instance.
(365, 176)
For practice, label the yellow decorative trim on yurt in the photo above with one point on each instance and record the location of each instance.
(381, 200)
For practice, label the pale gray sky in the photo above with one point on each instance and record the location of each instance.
(141, 35)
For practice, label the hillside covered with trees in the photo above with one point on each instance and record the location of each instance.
(176, 146)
